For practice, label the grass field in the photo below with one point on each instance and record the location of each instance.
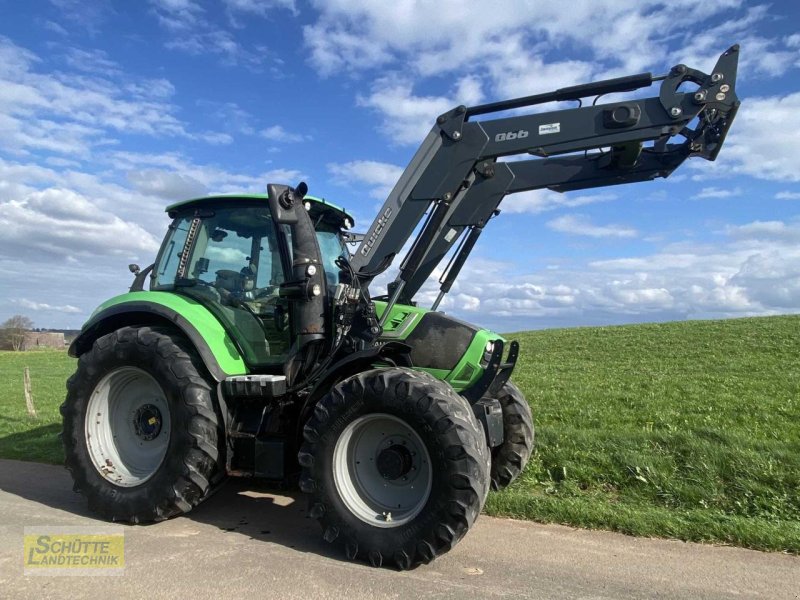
(21, 436)
(688, 430)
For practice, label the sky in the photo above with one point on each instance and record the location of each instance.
(110, 110)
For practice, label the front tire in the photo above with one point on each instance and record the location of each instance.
(510, 457)
(140, 430)
(397, 466)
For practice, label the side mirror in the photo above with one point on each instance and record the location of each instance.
(140, 276)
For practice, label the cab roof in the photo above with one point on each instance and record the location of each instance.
(327, 207)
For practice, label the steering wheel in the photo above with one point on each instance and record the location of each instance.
(210, 287)
(269, 296)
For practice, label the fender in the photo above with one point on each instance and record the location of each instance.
(216, 348)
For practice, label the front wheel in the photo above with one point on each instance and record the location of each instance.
(510, 457)
(396, 465)
(140, 430)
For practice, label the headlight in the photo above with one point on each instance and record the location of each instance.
(487, 353)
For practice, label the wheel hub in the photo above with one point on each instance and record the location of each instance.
(127, 427)
(147, 422)
(394, 462)
(382, 470)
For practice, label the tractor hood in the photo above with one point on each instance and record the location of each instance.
(446, 347)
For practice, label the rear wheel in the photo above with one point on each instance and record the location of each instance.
(510, 457)
(397, 466)
(140, 430)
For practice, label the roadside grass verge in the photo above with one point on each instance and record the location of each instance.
(687, 430)
(23, 437)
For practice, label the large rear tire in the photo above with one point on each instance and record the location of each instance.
(397, 466)
(140, 430)
(510, 457)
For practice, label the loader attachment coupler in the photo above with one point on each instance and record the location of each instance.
(456, 178)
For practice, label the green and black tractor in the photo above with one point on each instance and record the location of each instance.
(258, 349)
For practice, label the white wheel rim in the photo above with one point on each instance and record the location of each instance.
(127, 426)
(385, 498)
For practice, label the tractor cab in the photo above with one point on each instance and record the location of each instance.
(230, 255)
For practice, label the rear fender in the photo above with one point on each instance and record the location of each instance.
(216, 348)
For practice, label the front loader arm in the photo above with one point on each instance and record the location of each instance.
(456, 176)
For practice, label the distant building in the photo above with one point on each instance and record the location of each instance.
(42, 339)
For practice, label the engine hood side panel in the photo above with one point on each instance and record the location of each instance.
(446, 347)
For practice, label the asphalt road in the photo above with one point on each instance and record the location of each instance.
(245, 542)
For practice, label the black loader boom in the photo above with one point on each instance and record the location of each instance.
(457, 177)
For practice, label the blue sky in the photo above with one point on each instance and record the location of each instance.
(111, 110)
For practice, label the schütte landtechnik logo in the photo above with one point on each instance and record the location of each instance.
(74, 550)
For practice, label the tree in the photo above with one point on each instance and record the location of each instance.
(12, 332)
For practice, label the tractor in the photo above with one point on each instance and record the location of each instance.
(259, 350)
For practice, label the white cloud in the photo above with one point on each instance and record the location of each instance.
(60, 222)
(760, 56)
(407, 118)
(55, 28)
(763, 142)
(214, 179)
(516, 51)
(753, 271)
(190, 30)
(787, 195)
(260, 8)
(230, 116)
(434, 37)
(277, 133)
(44, 307)
(538, 201)
(74, 113)
(581, 225)
(166, 184)
(177, 15)
(765, 230)
(88, 15)
(148, 180)
(380, 177)
(714, 192)
(91, 61)
(216, 138)
(217, 42)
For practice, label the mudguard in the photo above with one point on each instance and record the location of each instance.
(395, 353)
(216, 348)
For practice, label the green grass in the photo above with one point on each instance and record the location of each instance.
(21, 436)
(687, 430)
